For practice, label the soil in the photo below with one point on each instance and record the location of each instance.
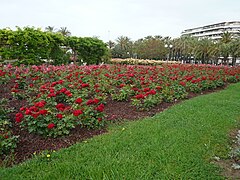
(29, 144)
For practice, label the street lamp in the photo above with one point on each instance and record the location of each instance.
(169, 47)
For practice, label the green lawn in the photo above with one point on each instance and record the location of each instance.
(175, 144)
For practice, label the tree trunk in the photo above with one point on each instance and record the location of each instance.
(234, 61)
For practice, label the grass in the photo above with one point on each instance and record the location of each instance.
(175, 144)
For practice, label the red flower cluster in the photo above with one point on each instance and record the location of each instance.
(2, 73)
(84, 85)
(121, 85)
(139, 96)
(59, 116)
(93, 101)
(43, 112)
(40, 104)
(19, 117)
(60, 107)
(78, 101)
(151, 92)
(51, 95)
(68, 93)
(77, 112)
(100, 108)
(51, 125)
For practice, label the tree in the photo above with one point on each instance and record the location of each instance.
(49, 29)
(183, 47)
(204, 50)
(91, 50)
(235, 50)
(73, 43)
(150, 48)
(123, 48)
(110, 44)
(64, 31)
(225, 46)
(27, 44)
(58, 51)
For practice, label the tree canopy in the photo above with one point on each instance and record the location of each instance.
(30, 45)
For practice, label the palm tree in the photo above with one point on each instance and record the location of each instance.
(204, 50)
(185, 47)
(125, 46)
(50, 29)
(225, 41)
(110, 44)
(226, 37)
(235, 50)
(64, 31)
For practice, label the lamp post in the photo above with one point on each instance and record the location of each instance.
(169, 47)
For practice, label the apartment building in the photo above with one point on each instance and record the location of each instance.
(214, 31)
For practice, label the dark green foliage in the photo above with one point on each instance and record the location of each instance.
(32, 46)
(8, 142)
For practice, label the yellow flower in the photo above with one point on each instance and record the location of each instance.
(48, 155)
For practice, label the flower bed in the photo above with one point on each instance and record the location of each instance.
(58, 99)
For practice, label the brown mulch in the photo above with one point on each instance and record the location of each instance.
(115, 111)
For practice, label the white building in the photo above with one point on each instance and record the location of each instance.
(214, 31)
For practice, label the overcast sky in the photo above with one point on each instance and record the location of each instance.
(109, 19)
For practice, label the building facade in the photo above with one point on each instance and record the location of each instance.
(214, 31)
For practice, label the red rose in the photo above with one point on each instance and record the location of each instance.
(84, 85)
(146, 89)
(121, 85)
(54, 84)
(18, 120)
(52, 95)
(152, 92)
(28, 112)
(100, 108)
(78, 101)
(77, 112)
(63, 90)
(35, 116)
(19, 115)
(59, 116)
(34, 109)
(52, 91)
(96, 101)
(139, 96)
(69, 95)
(90, 101)
(51, 125)
(67, 92)
(22, 109)
(60, 107)
(40, 104)
(60, 81)
(43, 111)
